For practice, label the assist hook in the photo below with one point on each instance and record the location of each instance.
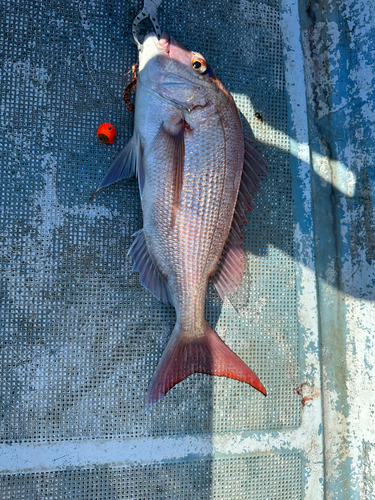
(150, 8)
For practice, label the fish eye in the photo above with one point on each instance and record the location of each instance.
(199, 65)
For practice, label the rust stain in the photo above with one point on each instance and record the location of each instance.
(307, 393)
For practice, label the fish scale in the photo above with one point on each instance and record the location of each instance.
(188, 152)
(195, 224)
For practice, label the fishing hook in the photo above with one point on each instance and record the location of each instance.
(150, 8)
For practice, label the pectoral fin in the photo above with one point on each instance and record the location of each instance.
(127, 164)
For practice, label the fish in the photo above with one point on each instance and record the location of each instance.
(197, 173)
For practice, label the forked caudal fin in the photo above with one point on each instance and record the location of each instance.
(185, 355)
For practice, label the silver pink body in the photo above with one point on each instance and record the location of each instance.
(192, 163)
(187, 254)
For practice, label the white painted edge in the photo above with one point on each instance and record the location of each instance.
(37, 457)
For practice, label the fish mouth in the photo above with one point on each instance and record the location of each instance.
(167, 45)
(175, 49)
(164, 42)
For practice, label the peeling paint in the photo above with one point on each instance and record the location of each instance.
(339, 71)
(368, 472)
(33, 73)
(344, 180)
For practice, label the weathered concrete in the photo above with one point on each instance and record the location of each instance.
(338, 41)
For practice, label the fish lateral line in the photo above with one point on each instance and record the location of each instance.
(172, 137)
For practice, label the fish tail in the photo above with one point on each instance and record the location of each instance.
(186, 354)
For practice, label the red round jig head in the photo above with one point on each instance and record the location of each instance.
(106, 133)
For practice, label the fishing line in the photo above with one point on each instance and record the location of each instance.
(106, 109)
(106, 132)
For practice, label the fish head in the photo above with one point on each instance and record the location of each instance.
(178, 74)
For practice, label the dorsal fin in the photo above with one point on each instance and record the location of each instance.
(149, 275)
(258, 163)
(228, 275)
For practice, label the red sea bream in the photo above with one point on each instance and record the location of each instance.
(196, 174)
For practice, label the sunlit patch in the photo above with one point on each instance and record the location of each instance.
(330, 170)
